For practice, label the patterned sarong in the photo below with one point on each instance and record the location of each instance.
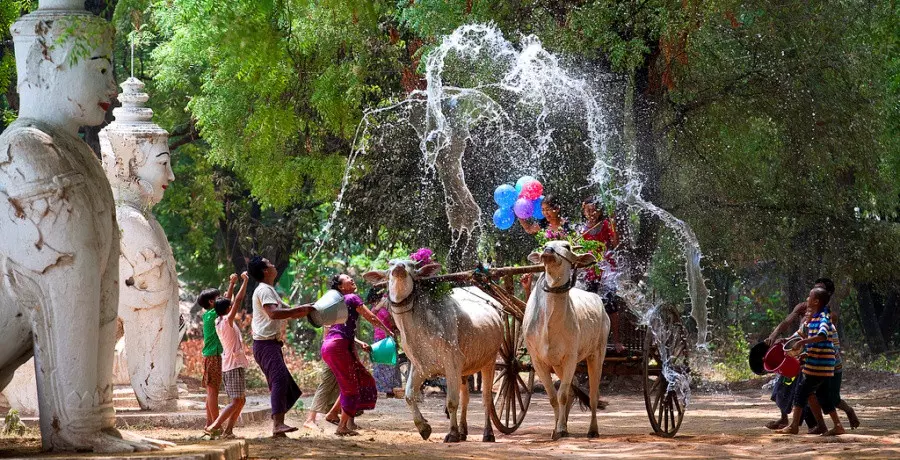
(387, 377)
(212, 371)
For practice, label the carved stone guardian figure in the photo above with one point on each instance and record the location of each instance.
(136, 159)
(59, 249)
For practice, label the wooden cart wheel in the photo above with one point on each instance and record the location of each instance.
(512, 392)
(663, 407)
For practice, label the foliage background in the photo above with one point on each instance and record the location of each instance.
(772, 128)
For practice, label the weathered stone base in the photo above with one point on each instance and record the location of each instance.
(185, 420)
(211, 450)
(191, 413)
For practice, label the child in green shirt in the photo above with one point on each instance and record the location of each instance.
(212, 349)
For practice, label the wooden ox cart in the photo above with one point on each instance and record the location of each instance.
(514, 378)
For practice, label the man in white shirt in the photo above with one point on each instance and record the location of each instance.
(269, 314)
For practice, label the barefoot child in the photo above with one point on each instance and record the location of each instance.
(819, 364)
(234, 362)
(212, 349)
(785, 389)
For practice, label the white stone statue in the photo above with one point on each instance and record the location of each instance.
(59, 242)
(136, 159)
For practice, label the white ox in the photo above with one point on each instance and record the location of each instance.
(455, 336)
(563, 326)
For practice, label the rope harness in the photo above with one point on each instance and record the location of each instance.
(568, 284)
(406, 305)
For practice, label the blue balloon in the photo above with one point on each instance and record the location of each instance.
(505, 196)
(504, 218)
(538, 212)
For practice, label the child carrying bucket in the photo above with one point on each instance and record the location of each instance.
(819, 362)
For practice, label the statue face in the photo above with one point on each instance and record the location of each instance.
(155, 174)
(63, 64)
(85, 90)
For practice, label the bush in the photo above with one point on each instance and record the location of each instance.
(885, 362)
(732, 351)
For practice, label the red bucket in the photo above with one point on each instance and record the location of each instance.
(777, 361)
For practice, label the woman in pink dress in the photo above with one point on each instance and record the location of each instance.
(358, 390)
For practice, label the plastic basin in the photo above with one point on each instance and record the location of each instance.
(384, 351)
(777, 361)
(330, 309)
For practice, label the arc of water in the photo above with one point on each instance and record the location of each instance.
(536, 78)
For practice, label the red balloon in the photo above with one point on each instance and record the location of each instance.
(532, 190)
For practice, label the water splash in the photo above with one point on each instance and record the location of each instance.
(516, 104)
(697, 290)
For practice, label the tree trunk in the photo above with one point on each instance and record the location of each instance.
(642, 142)
(794, 288)
(869, 318)
(890, 316)
(721, 295)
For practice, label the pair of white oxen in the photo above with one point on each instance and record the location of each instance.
(461, 334)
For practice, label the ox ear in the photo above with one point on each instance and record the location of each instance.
(584, 260)
(428, 270)
(376, 276)
(534, 257)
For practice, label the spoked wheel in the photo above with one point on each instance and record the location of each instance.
(513, 394)
(663, 407)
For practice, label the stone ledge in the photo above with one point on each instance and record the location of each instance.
(209, 450)
(187, 420)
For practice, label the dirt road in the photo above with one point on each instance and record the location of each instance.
(716, 426)
(723, 425)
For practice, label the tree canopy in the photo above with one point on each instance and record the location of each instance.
(772, 128)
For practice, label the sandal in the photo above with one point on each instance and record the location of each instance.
(285, 430)
(333, 421)
(347, 433)
(214, 433)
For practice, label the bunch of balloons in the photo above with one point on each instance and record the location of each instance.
(522, 201)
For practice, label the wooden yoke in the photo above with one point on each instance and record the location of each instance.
(485, 279)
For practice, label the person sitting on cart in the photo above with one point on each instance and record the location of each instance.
(554, 226)
(598, 235)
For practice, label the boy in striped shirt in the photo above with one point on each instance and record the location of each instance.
(818, 367)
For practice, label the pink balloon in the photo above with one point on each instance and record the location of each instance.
(532, 190)
(523, 208)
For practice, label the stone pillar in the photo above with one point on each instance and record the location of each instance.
(136, 159)
(59, 242)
